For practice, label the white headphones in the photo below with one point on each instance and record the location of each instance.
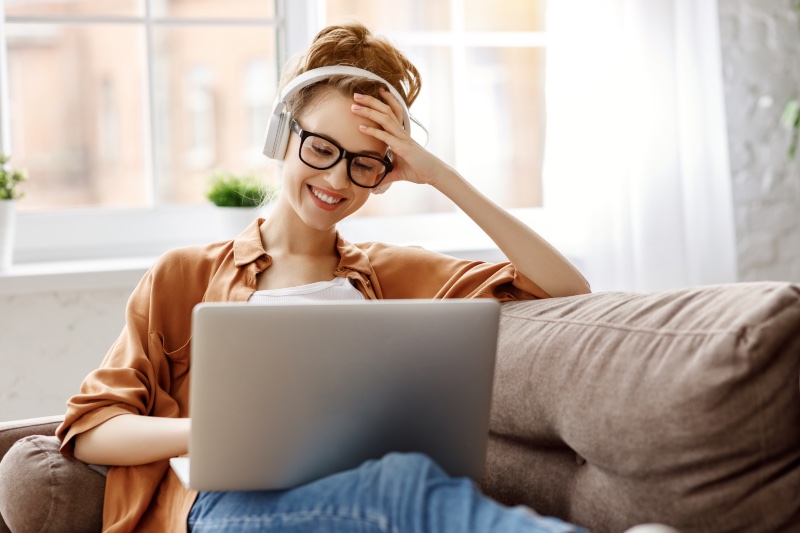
(278, 128)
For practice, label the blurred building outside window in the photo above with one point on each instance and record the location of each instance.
(129, 105)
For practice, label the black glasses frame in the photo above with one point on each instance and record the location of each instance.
(343, 154)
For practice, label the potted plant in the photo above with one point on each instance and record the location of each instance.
(239, 199)
(791, 114)
(10, 179)
(791, 120)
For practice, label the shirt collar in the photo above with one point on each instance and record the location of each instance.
(352, 257)
(247, 248)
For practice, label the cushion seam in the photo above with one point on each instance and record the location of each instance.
(48, 456)
(608, 325)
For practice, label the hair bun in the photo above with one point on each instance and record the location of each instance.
(355, 45)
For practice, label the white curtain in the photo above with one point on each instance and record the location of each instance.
(636, 161)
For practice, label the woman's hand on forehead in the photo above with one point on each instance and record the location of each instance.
(411, 161)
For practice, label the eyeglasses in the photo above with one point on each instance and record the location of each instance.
(318, 152)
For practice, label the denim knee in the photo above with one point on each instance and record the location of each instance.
(413, 465)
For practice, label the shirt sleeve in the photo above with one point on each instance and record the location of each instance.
(138, 372)
(413, 272)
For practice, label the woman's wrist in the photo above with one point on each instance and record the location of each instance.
(449, 182)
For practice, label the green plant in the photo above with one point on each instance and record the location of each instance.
(230, 190)
(791, 113)
(791, 120)
(10, 179)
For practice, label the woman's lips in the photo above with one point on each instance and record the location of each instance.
(325, 199)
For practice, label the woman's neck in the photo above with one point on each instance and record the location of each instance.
(287, 234)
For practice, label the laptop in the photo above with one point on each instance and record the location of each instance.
(284, 394)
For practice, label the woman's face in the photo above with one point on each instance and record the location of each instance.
(321, 198)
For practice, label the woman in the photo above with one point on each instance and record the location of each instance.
(346, 137)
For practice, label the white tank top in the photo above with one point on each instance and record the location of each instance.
(336, 289)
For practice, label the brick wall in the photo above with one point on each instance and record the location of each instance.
(761, 67)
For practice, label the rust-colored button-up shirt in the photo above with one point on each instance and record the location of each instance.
(146, 371)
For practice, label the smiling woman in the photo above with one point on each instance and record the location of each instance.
(340, 128)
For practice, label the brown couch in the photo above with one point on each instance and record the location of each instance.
(610, 409)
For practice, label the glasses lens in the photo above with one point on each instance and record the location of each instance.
(318, 152)
(367, 171)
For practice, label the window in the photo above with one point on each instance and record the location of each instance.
(482, 67)
(258, 106)
(199, 104)
(114, 99)
(121, 109)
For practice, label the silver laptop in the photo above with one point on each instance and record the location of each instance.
(285, 394)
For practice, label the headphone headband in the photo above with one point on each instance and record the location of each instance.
(277, 136)
(314, 75)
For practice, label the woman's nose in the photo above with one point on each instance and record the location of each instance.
(337, 175)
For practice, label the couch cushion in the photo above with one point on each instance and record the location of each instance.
(11, 432)
(680, 407)
(41, 490)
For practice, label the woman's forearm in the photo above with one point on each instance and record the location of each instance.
(533, 256)
(530, 254)
(128, 440)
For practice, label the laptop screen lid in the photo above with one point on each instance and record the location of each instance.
(283, 394)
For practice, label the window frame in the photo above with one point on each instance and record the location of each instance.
(93, 233)
(102, 233)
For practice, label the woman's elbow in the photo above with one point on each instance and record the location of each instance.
(79, 450)
(572, 289)
(85, 449)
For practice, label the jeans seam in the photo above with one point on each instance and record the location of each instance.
(374, 518)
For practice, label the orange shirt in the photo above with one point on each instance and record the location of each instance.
(146, 371)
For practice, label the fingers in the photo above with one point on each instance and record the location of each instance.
(379, 134)
(396, 107)
(384, 114)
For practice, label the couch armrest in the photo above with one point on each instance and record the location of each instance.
(11, 432)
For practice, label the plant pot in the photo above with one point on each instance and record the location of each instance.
(8, 218)
(231, 221)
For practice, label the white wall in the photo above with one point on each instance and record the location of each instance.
(761, 61)
(49, 340)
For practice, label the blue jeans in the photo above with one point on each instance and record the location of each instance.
(401, 492)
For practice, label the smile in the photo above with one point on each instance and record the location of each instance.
(330, 200)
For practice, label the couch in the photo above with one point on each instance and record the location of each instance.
(609, 410)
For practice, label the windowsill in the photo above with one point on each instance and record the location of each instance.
(100, 274)
(82, 266)
(96, 274)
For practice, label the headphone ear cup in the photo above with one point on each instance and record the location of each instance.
(277, 136)
(380, 189)
(283, 136)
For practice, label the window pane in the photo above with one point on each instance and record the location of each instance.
(500, 136)
(76, 8)
(78, 121)
(411, 15)
(504, 15)
(214, 8)
(214, 88)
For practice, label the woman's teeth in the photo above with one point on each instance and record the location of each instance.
(325, 198)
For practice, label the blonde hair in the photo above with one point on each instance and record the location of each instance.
(352, 44)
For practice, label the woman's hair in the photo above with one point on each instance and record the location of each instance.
(353, 45)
